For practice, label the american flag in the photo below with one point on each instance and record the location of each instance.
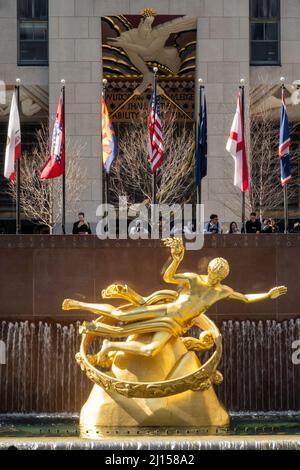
(284, 144)
(155, 144)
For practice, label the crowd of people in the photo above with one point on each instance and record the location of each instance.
(140, 227)
(253, 225)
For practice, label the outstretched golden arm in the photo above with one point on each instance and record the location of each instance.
(251, 298)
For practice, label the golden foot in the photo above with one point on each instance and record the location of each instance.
(69, 304)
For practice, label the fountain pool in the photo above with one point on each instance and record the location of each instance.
(61, 431)
(41, 385)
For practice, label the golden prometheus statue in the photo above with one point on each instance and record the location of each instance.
(155, 377)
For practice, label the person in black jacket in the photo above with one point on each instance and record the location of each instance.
(253, 225)
(81, 227)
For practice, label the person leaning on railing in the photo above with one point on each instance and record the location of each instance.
(253, 225)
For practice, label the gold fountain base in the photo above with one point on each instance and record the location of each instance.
(111, 413)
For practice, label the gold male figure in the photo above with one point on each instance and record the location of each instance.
(164, 313)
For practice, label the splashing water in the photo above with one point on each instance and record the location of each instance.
(41, 374)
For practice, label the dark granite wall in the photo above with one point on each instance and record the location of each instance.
(38, 272)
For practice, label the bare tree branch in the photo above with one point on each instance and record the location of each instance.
(265, 189)
(265, 194)
(131, 175)
(41, 201)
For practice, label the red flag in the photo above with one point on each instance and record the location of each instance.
(13, 145)
(236, 145)
(55, 166)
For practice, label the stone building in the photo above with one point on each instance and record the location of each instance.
(43, 41)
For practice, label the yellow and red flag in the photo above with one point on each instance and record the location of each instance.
(109, 140)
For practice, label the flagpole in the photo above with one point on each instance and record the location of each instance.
(107, 188)
(154, 188)
(105, 177)
(198, 183)
(285, 204)
(63, 223)
(285, 194)
(18, 167)
(154, 181)
(242, 88)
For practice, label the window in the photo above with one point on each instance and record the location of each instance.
(33, 32)
(265, 32)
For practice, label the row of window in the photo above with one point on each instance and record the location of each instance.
(33, 32)
(264, 32)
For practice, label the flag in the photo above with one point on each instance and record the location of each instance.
(201, 150)
(236, 145)
(109, 140)
(55, 165)
(13, 145)
(284, 144)
(155, 142)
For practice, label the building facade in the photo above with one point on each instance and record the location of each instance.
(42, 42)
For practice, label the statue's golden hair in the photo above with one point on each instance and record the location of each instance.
(220, 266)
